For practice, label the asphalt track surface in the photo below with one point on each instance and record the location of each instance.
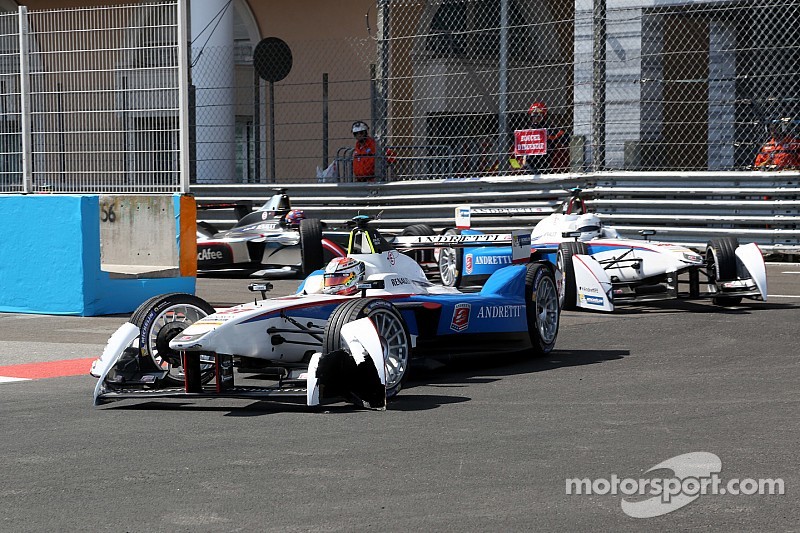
(484, 445)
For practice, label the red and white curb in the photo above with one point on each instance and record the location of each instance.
(45, 370)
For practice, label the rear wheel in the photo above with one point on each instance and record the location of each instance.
(419, 230)
(541, 307)
(311, 254)
(568, 295)
(391, 329)
(721, 266)
(451, 261)
(162, 318)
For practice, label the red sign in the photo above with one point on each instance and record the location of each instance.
(530, 142)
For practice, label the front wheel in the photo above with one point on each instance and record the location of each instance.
(311, 253)
(391, 329)
(160, 319)
(721, 266)
(541, 307)
(568, 295)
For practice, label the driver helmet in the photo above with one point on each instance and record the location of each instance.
(359, 126)
(294, 217)
(538, 108)
(342, 276)
(589, 225)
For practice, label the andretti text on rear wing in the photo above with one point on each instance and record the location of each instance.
(518, 240)
(464, 213)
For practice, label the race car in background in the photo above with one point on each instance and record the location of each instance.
(272, 240)
(276, 240)
(350, 331)
(627, 269)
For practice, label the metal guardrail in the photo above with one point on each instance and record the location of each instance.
(689, 208)
(402, 161)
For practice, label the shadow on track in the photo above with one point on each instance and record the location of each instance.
(697, 307)
(463, 372)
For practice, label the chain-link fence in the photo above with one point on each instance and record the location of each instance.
(89, 99)
(626, 85)
(449, 89)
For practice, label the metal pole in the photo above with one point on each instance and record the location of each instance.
(257, 126)
(183, 95)
(324, 120)
(502, 101)
(272, 132)
(599, 87)
(25, 102)
(373, 95)
(382, 87)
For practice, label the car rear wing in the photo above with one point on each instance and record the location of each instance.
(464, 213)
(518, 240)
(240, 207)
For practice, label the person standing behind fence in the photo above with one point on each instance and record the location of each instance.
(556, 159)
(781, 151)
(364, 153)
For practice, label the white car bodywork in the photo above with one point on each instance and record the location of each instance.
(615, 268)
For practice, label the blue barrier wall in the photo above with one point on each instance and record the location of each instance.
(50, 260)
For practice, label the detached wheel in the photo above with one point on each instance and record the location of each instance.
(451, 261)
(541, 307)
(721, 266)
(568, 295)
(419, 230)
(162, 318)
(311, 254)
(391, 329)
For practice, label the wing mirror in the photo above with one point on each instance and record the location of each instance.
(372, 284)
(647, 233)
(262, 287)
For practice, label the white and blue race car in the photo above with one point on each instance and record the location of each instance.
(351, 331)
(601, 269)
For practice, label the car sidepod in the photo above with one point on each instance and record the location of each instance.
(491, 321)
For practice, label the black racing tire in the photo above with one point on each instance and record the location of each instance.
(541, 308)
(419, 230)
(568, 295)
(451, 262)
(162, 318)
(312, 256)
(721, 266)
(391, 328)
(145, 307)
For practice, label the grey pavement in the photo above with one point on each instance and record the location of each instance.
(484, 445)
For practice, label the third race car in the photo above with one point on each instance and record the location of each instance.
(601, 269)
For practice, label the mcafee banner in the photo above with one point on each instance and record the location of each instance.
(530, 142)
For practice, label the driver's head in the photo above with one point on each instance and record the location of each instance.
(294, 217)
(342, 276)
(589, 225)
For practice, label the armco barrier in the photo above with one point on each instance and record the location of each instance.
(690, 208)
(52, 251)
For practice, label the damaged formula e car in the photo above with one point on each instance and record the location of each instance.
(350, 332)
(601, 269)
